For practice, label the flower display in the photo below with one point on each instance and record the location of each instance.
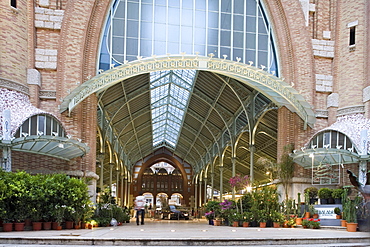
(238, 182)
(311, 223)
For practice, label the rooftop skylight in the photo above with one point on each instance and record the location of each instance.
(169, 91)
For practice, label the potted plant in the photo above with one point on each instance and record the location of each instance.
(312, 193)
(324, 195)
(337, 195)
(277, 219)
(262, 218)
(337, 212)
(351, 216)
(247, 217)
(314, 223)
(58, 216)
(305, 223)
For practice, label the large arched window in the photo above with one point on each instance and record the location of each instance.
(235, 29)
(41, 124)
(332, 139)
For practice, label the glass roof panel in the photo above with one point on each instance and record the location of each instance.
(170, 91)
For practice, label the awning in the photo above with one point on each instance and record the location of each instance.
(55, 146)
(314, 157)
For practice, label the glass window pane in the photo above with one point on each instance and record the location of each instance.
(226, 6)
(160, 14)
(262, 42)
(251, 7)
(213, 5)
(200, 19)
(146, 30)
(213, 20)
(226, 21)
(238, 23)
(251, 24)
(133, 30)
(187, 17)
(133, 12)
(133, 44)
(120, 11)
(200, 36)
(239, 7)
(187, 35)
(251, 41)
(173, 48)
(118, 45)
(147, 12)
(173, 33)
(174, 16)
(225, 38)
(160, 32)
(118, 27)
(238, 39)
(212, 36)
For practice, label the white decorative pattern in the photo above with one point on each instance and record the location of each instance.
(48, 18)
(333, 100)
(366, 94)
(352, 125)
(324, 83)
(323, 48)
(19, 106)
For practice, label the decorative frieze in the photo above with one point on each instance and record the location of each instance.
(46, 58)
(351, 110)
(4, 83)
(48, 18)
(333, 100)
(366, 94)
(322, 113)
(47, 94)
(323, 48)
(33, 77)
(324, 83)
(43, 3)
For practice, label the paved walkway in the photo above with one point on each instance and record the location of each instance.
(184, 233)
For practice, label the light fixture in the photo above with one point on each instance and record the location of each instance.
(54, 133)
(339, 146)
(60, 145)
(24, 134)
(326, 146)
(294, 151)
(303, 148)
(313, 146)
(40, 133)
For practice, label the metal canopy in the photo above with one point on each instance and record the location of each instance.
(273, 87)
(55, 146)
(225, 99)
(315, 157)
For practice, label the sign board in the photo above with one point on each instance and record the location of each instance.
(326, 212)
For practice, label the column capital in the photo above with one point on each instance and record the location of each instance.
(221, 168)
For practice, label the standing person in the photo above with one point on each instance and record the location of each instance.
(139, 207)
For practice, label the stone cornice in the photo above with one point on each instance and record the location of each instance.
(12, 85)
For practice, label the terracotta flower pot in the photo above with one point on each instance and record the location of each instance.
(298, 221)
(69, 224)
(36, 226)
(307, 215)
(7, 227)
(276, 224)
(351, 227)
(262, 224)
(245, 224)
(216, 222)
(343, 223)
(46, 225)
(235, 223)
(19, 226)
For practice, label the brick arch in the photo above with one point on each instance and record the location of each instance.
(171, 160)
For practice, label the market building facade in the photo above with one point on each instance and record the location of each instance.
(173, 98)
